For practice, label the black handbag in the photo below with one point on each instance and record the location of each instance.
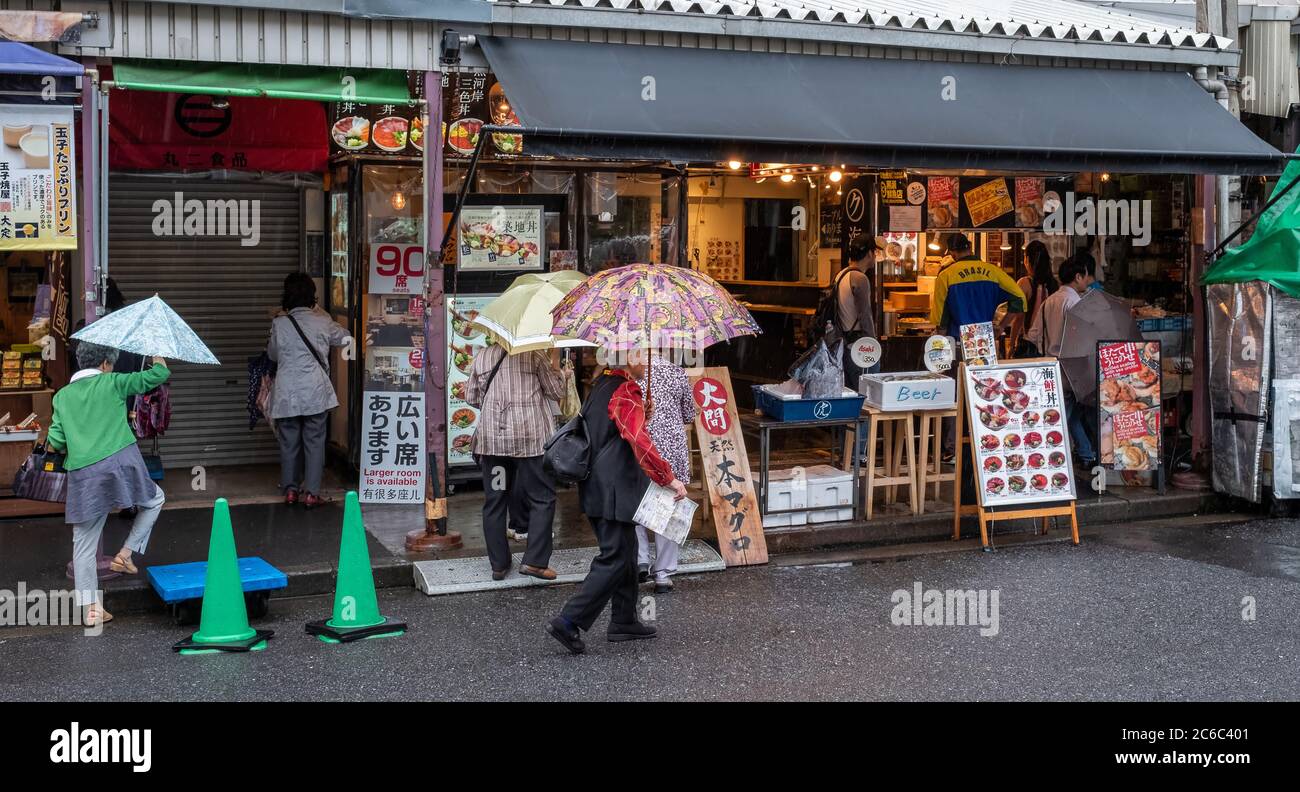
(42, 477)
(567, 455)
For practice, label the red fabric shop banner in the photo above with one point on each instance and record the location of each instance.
(183, 132)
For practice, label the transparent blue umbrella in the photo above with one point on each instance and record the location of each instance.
(149, 327)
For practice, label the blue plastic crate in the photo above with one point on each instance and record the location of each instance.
(1164, 324)
(179, 582)
(806, 409)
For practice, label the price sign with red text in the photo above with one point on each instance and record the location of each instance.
(396, 268)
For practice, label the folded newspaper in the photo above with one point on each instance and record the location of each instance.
(669, 518)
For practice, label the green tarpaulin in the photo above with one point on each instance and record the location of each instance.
(1272, 254)
(319, 84)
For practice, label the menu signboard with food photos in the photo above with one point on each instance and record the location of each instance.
(1128, 389)
(472, 100)
(979, 346)
(1016, 411)
(464, 341)
(396, 129)
(501, 238)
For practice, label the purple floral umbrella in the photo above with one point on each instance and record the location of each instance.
(652, 306)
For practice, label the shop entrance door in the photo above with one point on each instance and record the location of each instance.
(222, 283)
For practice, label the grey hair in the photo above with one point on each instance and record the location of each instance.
(92, 355)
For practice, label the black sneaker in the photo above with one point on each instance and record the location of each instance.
(557, 629)
(630, 632)
(642, 573)
(663, 586)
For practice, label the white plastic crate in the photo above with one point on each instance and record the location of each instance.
(786, 489)
(829, 486)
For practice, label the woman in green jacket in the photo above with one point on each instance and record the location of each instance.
(105, 470)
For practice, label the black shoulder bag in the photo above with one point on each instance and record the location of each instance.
(307, 344)
(567, 455)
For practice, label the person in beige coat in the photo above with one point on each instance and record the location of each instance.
(303, 394)
(515, 395)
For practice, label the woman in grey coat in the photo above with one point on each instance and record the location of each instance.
(302, 394)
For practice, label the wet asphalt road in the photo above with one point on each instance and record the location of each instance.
(1154, 615)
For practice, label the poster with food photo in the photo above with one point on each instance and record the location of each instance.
(942, 201)
(377, 129)
(1029, 202)
(1017, 419)
(471, 101)
(501, 238)
(1128, 396)
(464, 341)
(38, 196)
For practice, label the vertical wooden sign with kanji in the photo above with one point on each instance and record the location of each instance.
(734, 505)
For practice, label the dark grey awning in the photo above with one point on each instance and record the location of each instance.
(604, 101)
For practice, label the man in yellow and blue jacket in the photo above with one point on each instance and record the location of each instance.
(969, 291)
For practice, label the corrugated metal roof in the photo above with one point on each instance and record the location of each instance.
(1039, 19)
(1268, 61)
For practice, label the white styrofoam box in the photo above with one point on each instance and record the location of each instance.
(786, 489)
(908, 390)
(829, 486)
(845, 393)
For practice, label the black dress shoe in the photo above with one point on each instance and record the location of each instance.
(557, 629)
(663, 586)
(500, 574)
(642, 573)
(630, 632)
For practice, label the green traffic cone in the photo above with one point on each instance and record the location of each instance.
(223, 626)
(356, 611)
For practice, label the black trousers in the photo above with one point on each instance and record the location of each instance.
(521, 480)
(612, 576)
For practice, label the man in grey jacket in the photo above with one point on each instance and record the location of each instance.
(303, 395)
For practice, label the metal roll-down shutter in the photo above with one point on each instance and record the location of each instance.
(223, 289)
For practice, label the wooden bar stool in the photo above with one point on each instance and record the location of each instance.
(895, 429)
(929, 469)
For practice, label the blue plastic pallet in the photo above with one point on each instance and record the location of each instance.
(180, 582)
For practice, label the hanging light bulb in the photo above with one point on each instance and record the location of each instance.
(934, 246)
(787, 178)
(399, 200)
(735, 164)
(836, 176)
(1105, 177)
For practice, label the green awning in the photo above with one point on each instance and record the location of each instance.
(1272, 254)
(319, 84)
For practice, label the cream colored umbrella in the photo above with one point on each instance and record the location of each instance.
(520, 318)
